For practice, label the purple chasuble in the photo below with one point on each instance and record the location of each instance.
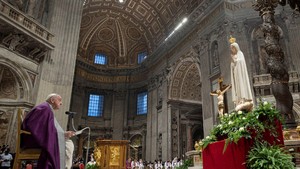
(40, 122)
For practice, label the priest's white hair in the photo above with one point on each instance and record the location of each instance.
(48, 98)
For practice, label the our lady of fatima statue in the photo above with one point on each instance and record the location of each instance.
(241, 89)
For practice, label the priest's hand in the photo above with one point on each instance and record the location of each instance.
(69, 134)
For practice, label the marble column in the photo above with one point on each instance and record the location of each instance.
(189, 137)
(169, 145)
(144, 133)
(57, 73)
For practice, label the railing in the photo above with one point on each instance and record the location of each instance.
(261, 83)
(11, 14)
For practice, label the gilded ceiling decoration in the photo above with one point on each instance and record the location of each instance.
(122, 30)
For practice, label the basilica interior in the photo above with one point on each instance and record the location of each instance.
(137, 70)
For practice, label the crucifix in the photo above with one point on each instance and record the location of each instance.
(220, 95)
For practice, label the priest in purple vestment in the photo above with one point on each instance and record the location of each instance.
(46, 133)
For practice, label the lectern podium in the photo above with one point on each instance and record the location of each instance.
(111, 154)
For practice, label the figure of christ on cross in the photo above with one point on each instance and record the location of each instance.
(220, 95)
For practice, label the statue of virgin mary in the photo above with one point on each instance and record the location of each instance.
(241, 89)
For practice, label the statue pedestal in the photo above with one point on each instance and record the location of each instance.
(111, 154)
(196, 157)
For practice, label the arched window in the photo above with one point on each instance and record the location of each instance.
(142, 103)
(96, 103)
(100, 59)
(141, 57)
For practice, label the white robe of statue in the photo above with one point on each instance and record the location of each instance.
(241, 88)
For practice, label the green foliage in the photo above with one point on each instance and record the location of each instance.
(265, 156)
(252, 125)
(186, 164)
(92, 166)
(240, 124)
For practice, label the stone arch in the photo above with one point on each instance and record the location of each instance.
(17, 77)
(186, 81)
(15, 87)
(136, 146)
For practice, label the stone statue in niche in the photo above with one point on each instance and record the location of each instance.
(15, 41)
(169, 73)
(215, 55)
(262, 55)
(241, 89)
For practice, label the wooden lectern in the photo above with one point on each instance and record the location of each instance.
(111, 154)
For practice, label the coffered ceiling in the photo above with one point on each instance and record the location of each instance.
(122, 30)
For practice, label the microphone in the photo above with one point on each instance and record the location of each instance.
(71, 116)
(70, 113)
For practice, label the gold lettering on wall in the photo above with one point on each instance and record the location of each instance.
(225, 6)
(110, 79)
(238, 6)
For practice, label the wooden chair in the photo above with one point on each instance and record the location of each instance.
(21, 153)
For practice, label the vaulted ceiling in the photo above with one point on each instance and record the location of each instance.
(122, 30)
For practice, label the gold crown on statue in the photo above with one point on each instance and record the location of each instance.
(232, 39)
(220, 79)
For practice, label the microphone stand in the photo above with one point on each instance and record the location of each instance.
(88, 145)
(72, 121)
(88, 141)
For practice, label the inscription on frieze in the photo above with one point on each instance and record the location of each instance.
(211, 17)
(238, 6)
(110, 79)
